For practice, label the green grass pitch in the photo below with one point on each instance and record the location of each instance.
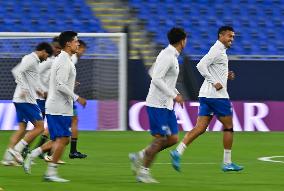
(107, 167)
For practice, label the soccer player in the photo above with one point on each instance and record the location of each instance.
(74, 124)
(214, 99)
(159, 102)
(44, 75)
(27, 89)
(59, 103)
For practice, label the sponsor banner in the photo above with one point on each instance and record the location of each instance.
(247, 116)
(88, 117)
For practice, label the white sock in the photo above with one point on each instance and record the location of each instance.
(181, 148)
(20, 145)
(51, 169)
(7, 156)
(141, 153)
(36, 152)
(227, 156)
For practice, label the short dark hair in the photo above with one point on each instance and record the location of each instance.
(225, 28)
(55, 39)
(175, 35)
(82, 43)
(66, 36)
(45, 46)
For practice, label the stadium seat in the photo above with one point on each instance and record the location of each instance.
(254, 22)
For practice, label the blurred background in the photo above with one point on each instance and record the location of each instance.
(256, 56)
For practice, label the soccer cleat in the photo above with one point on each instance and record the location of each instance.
(17, 156)
(10, 163)
(77, 155)
(28, 164)
(145, 178)
(49, 159)
(231, 167)
(175, 160)
(25, 151)
(54, 178)
(135, 162)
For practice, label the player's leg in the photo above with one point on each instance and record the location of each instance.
(31, 112)
(227, 122)
(159, 127)
(223, 109)
(14, 139)
(35, 153)
(28, 138)
(43, 138)
(172, 133)
(45, 135)
(59, 131)
(203, 120)
(58, 147)
(200, 127)
(74, 137)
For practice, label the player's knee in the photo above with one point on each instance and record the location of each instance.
(40, 129)
(173, 140)
(162, 141)
(67, 141)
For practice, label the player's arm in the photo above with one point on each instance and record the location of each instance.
(159, 72)
(18, 73)
(61, 83)
(202, 67)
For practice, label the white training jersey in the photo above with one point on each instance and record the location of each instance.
(44, 74)
(74, 58)
(164, 73)
(214, 68)
(61, 86)
(27, 79)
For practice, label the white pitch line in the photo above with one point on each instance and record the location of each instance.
(188, 163)
(269, 159)
(168, 163)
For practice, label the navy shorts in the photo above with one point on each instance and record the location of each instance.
(41, 104)
(58, 126)
(27, 112)
(215, 106)
(162, 121)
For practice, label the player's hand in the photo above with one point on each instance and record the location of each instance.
(40, 93)
(23, 93)
(77, 83)
(218, 86)
(82, 101)
(44, 95)
(231, 75)
(179, 99)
